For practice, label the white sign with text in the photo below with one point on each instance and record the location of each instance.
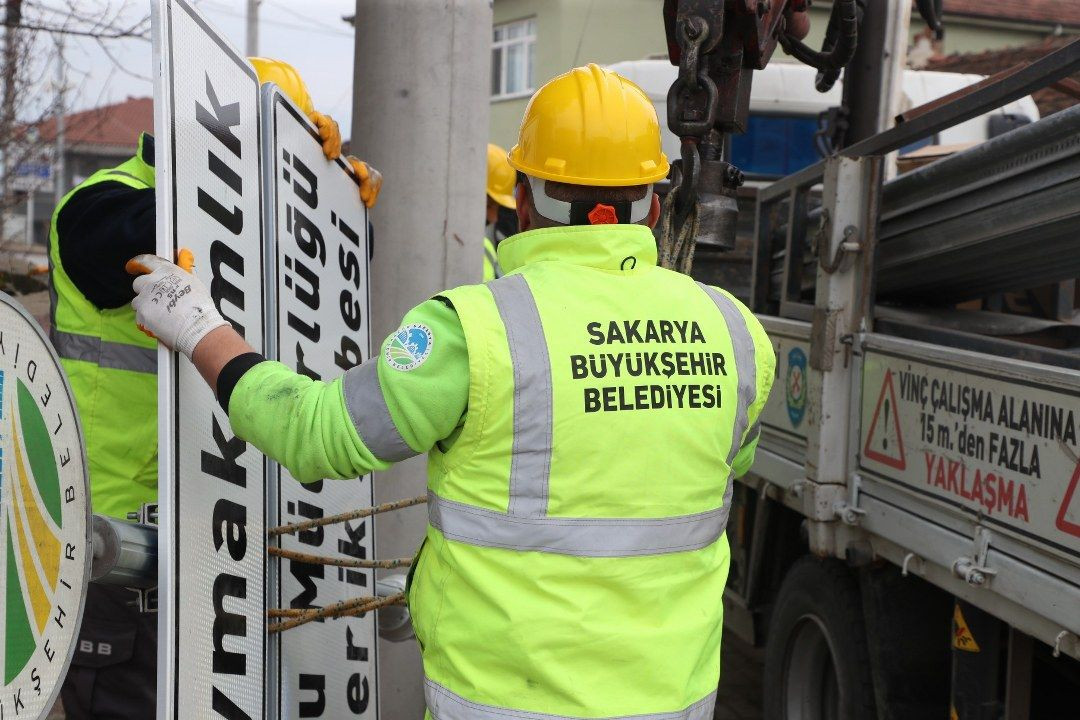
(319, 274)
(212, 485)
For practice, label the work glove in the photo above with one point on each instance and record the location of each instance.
(329, 134)
(172, 304)
(370, 180)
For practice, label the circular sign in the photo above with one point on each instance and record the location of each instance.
(44, 518)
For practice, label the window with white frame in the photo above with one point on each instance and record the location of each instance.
(513, 51)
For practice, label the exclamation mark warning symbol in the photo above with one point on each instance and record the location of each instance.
(883, 427)
(885, 435)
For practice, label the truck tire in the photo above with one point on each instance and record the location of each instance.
(817, 666)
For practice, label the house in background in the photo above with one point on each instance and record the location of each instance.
(93, 139)
(1052, 99)
(535, 40)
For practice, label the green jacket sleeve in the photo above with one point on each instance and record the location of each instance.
(765, 360)
(396, 405)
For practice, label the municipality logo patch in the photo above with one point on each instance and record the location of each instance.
(409, 347)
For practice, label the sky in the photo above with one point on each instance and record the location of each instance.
(309, 34)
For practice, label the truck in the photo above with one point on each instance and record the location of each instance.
(907, 544)
(786, 113)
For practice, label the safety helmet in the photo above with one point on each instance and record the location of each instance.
(591, 126)
(285, 77)
(501, 178)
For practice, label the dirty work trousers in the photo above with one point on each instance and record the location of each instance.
(113, 675)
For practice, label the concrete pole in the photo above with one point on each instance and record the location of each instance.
(29, 238)
(251, 28)
(60, 149)
(9, 77)
(420, 115)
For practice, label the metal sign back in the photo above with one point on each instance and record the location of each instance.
(318, 274)
(44, 518)
(212, 485)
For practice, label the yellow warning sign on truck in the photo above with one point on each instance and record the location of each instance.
(962, 639)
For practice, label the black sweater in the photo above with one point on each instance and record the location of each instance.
(99, 229)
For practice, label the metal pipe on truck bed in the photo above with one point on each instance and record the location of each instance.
(1002, 215)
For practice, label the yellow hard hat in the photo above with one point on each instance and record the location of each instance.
(285, 77)
(591, 126)
(501, 177)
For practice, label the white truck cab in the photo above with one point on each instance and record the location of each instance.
(784, 110)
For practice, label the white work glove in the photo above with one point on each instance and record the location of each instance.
(172, 304)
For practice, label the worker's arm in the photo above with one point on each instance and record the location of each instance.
(765, 362)
(376, 414)
(98, 229)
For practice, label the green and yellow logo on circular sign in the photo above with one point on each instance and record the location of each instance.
(44, 518)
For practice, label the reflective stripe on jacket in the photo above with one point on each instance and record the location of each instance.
(112, 368)
(575, 561)
(491, 261)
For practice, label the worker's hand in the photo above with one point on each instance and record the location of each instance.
(329, 134)
(370, 180)
(171, 303)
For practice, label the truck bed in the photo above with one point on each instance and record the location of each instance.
(967, 470)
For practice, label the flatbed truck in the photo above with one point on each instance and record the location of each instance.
(907, 544)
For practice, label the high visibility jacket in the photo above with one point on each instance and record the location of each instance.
(112, 368)
(575, 559)
(584, 416)
(492, 269)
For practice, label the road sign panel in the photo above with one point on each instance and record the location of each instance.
(212, 485)
(44, 518)
(319, 272)
(34, 173)
(1000, 447)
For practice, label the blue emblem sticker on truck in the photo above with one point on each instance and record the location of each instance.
(795, 386)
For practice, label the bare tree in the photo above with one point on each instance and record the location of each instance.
(30, 102)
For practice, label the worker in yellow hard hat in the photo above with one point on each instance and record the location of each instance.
(285, 76)
(584, 417)
(112, 367)
(501, 179)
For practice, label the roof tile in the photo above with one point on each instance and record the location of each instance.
(116, 124)
(1055, 12)
(989, 62)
